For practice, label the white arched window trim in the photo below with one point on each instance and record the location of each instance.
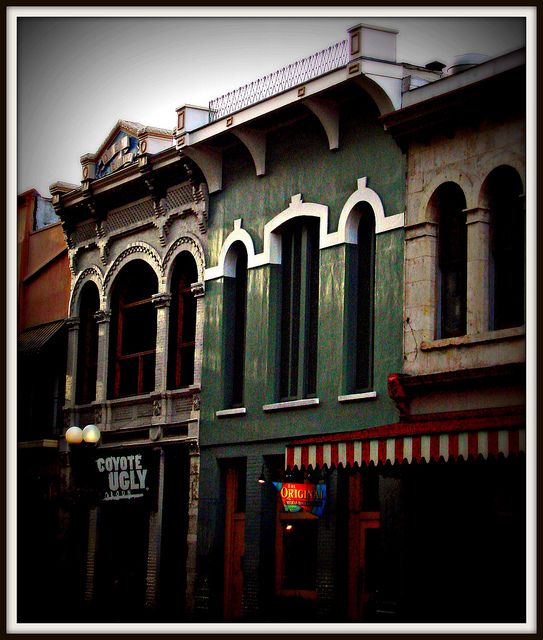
(271, 254)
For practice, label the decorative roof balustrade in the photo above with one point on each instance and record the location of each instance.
(274, 83)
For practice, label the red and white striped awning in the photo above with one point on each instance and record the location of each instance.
(412, 442)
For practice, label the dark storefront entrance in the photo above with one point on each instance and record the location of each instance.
(136, 569)
(438, 542)
(121, 561)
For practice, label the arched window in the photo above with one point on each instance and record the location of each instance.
(235, 311)
(133, 331)
(299, 308)
(364, 273)
(87, 350)
(182, 323)
(507, 248)
(449, 203)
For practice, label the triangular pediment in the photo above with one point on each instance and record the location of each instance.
(121, 148)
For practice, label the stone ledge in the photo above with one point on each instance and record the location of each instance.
(478, 338)
(291, 404)
(355, 397)
(230, 413)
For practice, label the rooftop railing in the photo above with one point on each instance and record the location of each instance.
(293, 74)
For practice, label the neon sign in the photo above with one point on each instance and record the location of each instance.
(302, 497)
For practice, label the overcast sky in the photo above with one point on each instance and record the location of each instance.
(76, 76)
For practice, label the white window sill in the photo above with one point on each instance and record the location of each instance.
(475, 338)
(231, 413)
(356, 397)
(291, 404)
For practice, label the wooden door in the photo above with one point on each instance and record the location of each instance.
(368, 533)
(363, 556)
(234, 543)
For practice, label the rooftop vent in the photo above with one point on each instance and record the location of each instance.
(435, 66)
(466, 61)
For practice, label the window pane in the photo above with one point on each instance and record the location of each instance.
(139, 329)
(452, 260)
(128, 377)
(299, 309)
(148, 373)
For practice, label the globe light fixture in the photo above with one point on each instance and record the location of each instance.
(91, 434)
(74, 435)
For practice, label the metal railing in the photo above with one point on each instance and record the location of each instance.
(293, 74)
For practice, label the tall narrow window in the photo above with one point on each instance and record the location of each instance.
(235, 311)
(299, 308)
(87, 351)
(450, 204)
(182, 338)
(133, 339)
(507, 249)
(364, 302)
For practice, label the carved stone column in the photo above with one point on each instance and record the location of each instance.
(161, 301)
(198, 289)
(194, 474)
(71, 368)
(102, 319)
(478, 269)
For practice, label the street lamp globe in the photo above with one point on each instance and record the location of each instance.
(74, 435)
(91, 434)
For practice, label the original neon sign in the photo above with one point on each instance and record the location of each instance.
(302, 497)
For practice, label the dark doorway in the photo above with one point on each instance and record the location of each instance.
(121, 562)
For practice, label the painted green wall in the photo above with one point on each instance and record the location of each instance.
(298, 160)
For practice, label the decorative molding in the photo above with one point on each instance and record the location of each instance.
(194, 450)
(89, 274)
(209, 161)
(198, 289)
(98, 415)
(73, 323)
(162, 225)
(255, 141)
(103, 248)
(153, 259)
(348, 219)
(196, 402)
(271, 254)
(102, 316)
(157, 407)
(161, 300)
(328, 114)
(192, 245)
(398, 393)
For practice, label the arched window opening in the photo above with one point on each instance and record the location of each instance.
(449, 202)
(299, 308)
(365, 267)
(235, 313)
(182, 338)
(133, 338)
(87, 351)
(507, 249)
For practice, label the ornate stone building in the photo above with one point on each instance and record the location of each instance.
(136, 233)
(462, 389)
